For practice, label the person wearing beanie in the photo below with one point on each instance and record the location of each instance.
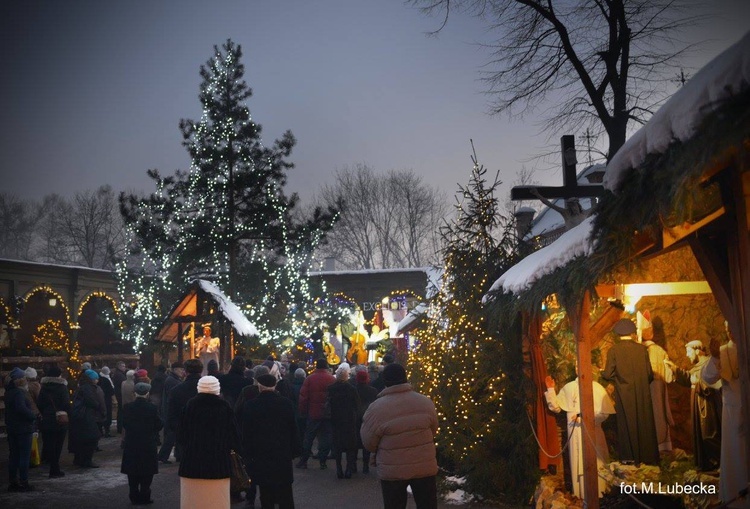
(86, 412)
(367, 394)
(85, 366)
(127, 389)
(207, 434)
(400, 426)
(118, 377)
(53, 399)
(174, 378)
(19, 423)
(141, 423)
(141, 375)
(234, 381)
(343, 403)
(179, 397)
(270, 442)
(312, 399)
(629, 369)
(33, 385)
(108, 388)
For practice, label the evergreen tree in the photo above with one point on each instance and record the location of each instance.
(227, 216)
(467, 368)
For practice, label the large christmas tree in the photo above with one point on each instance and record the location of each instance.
(227, 219)
(470, 369)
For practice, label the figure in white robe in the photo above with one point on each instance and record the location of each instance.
(207, 349)
(733, 471)
(568, 400)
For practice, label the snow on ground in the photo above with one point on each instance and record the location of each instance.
(725, 76)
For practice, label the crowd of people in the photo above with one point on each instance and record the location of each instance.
(268, 415)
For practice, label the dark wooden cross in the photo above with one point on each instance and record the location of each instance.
(570, 187)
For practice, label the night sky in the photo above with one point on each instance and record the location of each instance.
(92, 91)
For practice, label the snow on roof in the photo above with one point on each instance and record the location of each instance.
(550, 220)
(414, 315)
(229, 309)
(570, 245)
(725, 76)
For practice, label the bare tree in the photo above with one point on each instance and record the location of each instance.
(606, 62)
(18, 222)
(386, 220)
(85, 230)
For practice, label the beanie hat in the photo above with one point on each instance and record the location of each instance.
(141, 373)
(91, 374)
(85, 366)
(321, 364)
(363, 377)
(624, 327)
(130, 374)
(17, 374)
(343, 370)
(209, 385)
(30, 373)
(266, 380)
(105, 371)
(141, 388)
(300, 373)
(54, 371)
(394, 374)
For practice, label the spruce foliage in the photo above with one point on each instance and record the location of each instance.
(471, 369)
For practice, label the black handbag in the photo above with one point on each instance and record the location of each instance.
(239, 481)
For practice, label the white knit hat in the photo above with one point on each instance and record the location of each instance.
(342, 369)
(30, 373)
(209, 385)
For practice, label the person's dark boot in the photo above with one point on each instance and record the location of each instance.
(25, 486)
(339, 469)
(348, 472)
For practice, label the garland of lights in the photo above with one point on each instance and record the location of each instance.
(105, 296)
(12, 323)
(57, 296)
(50, 335)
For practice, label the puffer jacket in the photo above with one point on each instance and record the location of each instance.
(312, 396)
(400, 427)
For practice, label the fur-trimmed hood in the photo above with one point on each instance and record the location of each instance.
(54, 380)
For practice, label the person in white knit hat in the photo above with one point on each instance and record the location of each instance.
(207, 435)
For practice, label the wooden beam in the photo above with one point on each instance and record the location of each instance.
(579, 318)
(180, 353)
(715, 268)
(676, 233)
(739, 256)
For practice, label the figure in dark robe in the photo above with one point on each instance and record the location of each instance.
(629, 369)
(705, 404)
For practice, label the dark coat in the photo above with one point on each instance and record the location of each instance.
(312, 396)
(19, 412)
(109, 390)
(270, 439)
(247, 394)
(345, 412)
(53, 398)
(84, 415)
(170, 383)
(232, 384)
(178, 398)
(141, 423)
(629, 369)
(118, 377)
(207, 432)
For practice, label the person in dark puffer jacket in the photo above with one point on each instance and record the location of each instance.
(207, 434)
(19, 423)
(53, 397)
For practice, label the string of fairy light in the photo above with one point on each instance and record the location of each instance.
(154, 276)
(52, 336)
(450, 351)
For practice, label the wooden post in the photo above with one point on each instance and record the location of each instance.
(740, 269)
(180, 353)
(579, 318)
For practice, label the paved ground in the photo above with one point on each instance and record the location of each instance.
(106, 487)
